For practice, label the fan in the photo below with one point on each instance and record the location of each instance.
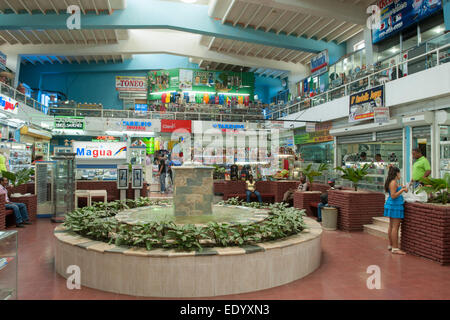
(242, 86)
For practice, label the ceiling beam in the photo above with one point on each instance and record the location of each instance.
(332, 30)
(53, 6)
(264, 19)
(59, 60)
(39, 7)
(321, 28)
(67, 58)
(340, 32)
(28, 59)
(12, 8)
(25, 36)
(12, 36)
(253, 16)
(60, 36)
(289, 22)
(227, 13)
(23, 5)
(81, 7)
(95, 7)
(49, 38)
(87, 60)
(350, 34)
(312, 25)
(211, 43)
(232, 45)
(83, 36)
(301, 23)
(48, 58)
(94, 36)
(296, 56)
(276, 21)
(241, 14)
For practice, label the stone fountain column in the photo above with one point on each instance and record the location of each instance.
(193, 190)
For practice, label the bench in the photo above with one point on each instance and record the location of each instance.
(266, 197)
(236, 189)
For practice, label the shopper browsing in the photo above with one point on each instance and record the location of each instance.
(162, 173)
(421, 167)
(19, 209)
(393, 208)
(251, 189)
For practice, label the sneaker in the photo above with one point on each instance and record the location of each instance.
(28, 222)
(19, 225)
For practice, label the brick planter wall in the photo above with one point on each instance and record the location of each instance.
(30, 202)
(302, 199)
(2, 212)
(426, 231)
(322, 187)
(279, 188)
(219, 186)
(356, 208)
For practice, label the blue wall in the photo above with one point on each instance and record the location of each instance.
(95, 83)
(267, 88)
(446, 5)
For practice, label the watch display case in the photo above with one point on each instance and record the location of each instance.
(8, 265)
(96, 174)
(64, 185)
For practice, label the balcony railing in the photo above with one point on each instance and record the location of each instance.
(371, 79)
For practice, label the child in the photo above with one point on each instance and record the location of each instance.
(393, 208)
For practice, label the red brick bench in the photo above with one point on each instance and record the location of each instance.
(236, 189)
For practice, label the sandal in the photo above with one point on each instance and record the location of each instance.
(398, 251)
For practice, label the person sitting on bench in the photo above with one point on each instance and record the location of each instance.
(303, 186)
(252, 189)
(324, 199)
(19, 209)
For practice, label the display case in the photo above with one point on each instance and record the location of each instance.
(137, 155)
(445, 158)
(376, 178)
(43, 180)
(8, 265)
(19, 157)
(97, 174)
(42, 149)
(64, 185)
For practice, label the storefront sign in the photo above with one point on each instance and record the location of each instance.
(319, 63)
(311, 127)
(362, 104)
(2, 61)
(69, 123)
(9, 105)
(131, 84)
(321, 134)
(381, 114)
(136, 125)
(397, 15)
(173, 125)
(228, 126)
(105, 139)
(100, 150)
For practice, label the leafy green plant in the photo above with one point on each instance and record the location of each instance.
(20, 177)
(310, 172)
(219, 172)
(355, 175)
(98, 222)
(438, 189)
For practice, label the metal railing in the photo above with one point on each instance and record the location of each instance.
(374, 78)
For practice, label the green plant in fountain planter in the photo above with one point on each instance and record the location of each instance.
(98, 222)
(355, 175)
(438, 189)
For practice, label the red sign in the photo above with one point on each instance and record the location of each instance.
(172, 125)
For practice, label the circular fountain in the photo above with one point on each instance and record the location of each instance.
(212, 272)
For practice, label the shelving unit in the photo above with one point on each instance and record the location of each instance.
(18, 154)
(374, 181)
(8, 265)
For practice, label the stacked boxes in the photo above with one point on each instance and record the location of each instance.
(426, 231)
(356, 208)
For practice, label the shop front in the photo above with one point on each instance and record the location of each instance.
(315, 144)
(39, 139)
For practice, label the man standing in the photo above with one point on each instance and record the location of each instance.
(162, 173)
(20, 209)
(421, 168)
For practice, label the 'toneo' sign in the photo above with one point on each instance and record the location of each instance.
(131, 84)
(100, 150)
(136, 125)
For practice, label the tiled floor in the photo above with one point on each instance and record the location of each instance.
(342, 274)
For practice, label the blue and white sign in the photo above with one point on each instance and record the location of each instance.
(319, 63)
(228, 126)
(399, 14)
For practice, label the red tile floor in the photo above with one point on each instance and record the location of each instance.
(342, 274)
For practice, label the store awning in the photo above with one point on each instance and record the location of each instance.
(36, 133)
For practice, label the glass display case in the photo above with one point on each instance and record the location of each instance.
(8, 265)
(64, 185)
(42, 149)
(97, 174)
(137, 155)
(374, 181)
(444, 165)
(18, 155)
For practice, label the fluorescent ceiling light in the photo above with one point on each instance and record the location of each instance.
(189, 1)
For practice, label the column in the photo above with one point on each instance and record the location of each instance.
(407, 150)
(369, 46)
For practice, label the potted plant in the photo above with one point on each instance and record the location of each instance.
(310, 173)
(20, 177)
(356, 207)
(426, 226)
(354, 175)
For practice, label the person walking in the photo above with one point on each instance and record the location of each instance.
(251, 189)
(421, 167)
(393, 208)
(162, 173)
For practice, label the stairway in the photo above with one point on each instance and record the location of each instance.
(379, 227)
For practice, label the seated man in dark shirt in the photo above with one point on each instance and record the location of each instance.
(324, 199)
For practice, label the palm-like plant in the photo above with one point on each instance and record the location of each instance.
(438, 188)
(310, 173)
(20, 177)
(355, 175)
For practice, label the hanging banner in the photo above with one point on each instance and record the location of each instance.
(2, 61)
(185, 79)
(76, 123)
(321, 133)
(100, 150)
(381, 114)
(204, 78)
(8, 104)
(362, 104)
(397, 15)
(131, 83)
(319, 63)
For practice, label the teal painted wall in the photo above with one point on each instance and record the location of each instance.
(267, 88)
(446, 5)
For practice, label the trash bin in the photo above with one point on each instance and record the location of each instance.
(329, 218)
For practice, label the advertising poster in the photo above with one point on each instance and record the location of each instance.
(185, 79)
(363, 103)
(122, 177)
(2, 61)
(319, 63)
(131, 84)
(399, 14)
(204, 78)
(381, 114)
(320, 134)
(8, 104)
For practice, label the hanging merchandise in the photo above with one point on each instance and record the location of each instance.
(168, 98)
(163, 97)
(212, 99)
(217, 100)
(221, 99)
(157, 146)
(247, 101)
(234, 101)
(241, 100)
(186, 97)
(206, 98)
